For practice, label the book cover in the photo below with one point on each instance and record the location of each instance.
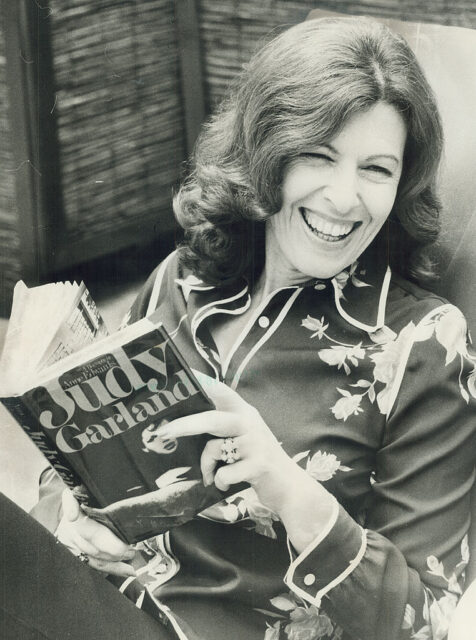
(97, 424)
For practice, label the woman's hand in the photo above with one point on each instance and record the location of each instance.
(280, 483)
(82, 535)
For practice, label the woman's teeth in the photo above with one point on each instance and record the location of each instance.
(330, 231)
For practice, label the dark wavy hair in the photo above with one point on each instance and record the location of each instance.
(299, 90)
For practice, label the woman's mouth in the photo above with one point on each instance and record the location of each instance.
(325, 230)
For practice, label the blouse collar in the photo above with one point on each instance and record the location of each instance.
(360, 291)
(360, 294)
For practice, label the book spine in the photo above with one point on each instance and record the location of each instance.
(20, 412)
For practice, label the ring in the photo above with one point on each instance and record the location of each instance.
(229, 451)
(83, 557)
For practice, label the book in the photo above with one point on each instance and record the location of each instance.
(92, 403)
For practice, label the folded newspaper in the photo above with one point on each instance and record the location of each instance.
(92, 403)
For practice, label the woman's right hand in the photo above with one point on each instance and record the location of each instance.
(82, 535)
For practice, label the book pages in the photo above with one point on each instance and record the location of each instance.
(47, 323)
(80, 327)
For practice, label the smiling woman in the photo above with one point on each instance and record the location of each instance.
(344, 392)
(343, 191)
(293, 99)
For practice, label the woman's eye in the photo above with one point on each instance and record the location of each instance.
(376, 168)
(317, 156)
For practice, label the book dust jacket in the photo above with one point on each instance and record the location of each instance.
(97, 424)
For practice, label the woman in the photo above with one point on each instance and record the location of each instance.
(311, 198)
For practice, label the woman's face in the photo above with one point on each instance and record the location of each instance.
(337, 196)
(153, 442)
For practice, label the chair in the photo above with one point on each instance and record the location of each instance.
(448, 56)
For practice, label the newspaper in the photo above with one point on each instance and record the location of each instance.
(47, 323)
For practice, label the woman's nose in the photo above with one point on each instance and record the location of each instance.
(341, 191)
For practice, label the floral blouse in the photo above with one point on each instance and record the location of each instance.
(367, 382)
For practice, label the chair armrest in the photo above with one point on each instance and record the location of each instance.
(463, 624)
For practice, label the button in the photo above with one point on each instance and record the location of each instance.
(263, 322)
(309, 579)
(320, 286)
(161, 568)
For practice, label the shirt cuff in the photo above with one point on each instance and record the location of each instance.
(329, 559)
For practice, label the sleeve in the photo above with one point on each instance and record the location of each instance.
(405, 571)
(140, 305)
(155, 287)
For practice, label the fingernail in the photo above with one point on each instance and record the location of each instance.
(130, 572)
(208, 479)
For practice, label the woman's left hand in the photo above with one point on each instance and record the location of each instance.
(260, 459)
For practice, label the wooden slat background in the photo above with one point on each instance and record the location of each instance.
(10, 267)
(119, 117)
(232, 29)
(119, 113)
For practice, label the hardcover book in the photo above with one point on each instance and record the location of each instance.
(92, 403)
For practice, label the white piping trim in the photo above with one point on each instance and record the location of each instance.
(154, 296)
(289, 577)
(173, 333)
(265, 337)
(165, 541)
(352, 565)
(216, 303)
(381, 305)
(233, 312)
(402, 365)
(168, 613)
(290, 552)
(246, 329)
(194, 287)
(140, 599)
(160, 578)
(126, 583)
(200, 315)
(230, 312)
(204, 355)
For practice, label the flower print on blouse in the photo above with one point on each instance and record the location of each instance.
(437, 614)
(245, 507)
(367, 383)
(298, 621)
(447, 324)
(381, 385)
(342, 278)
(321, 466)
